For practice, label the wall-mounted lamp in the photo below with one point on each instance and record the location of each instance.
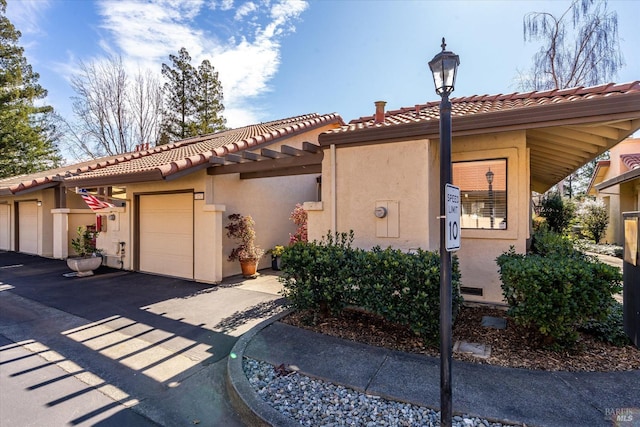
(198, 196)
(39, 203)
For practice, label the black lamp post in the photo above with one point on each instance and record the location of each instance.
(489, 176)
(443, 67)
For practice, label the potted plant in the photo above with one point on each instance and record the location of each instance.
(88, 257)
(276, 252)
(241, 228)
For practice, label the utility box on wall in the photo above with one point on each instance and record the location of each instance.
(631, 276)
(387, 215)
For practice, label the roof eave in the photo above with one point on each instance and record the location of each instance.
(620, 179)
(566, 113)
(119, 179)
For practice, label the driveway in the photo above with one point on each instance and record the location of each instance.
(120, 348)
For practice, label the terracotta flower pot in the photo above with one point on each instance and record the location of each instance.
(249, 267)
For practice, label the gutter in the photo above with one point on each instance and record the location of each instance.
(620, 179)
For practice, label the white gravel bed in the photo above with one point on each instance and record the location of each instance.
(314, 402)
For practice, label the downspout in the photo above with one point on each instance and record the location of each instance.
(334, 196)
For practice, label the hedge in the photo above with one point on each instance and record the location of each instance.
(402, 287)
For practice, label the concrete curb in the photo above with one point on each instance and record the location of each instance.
(253, 410)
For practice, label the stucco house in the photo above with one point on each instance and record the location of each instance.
(503, 148)
(171, 201)
(617, 183)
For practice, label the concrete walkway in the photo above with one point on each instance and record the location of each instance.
(519, 396)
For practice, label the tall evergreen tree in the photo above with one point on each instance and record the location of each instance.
(193, 98)
(179, 95)
(209, 105)
(27, 136)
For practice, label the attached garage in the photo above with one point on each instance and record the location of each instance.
(5, 228)
(166, 234)
(28, 227)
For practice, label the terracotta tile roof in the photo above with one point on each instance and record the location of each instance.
(165, 160)
(482, 104)
(632, 161)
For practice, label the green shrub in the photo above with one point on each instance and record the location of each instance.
(403, 288)
(611, 329)
(594, 217)
(557, 212)
(548, 243)
(557, 292)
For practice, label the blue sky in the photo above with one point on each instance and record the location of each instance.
(281, 58)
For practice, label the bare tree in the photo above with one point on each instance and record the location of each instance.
(146, 107)
(580, 48)
(113, 113)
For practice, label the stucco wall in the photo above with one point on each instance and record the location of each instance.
(619, 198)
(269, 201)
(408, 172)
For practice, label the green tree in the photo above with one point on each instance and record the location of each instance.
(193, 98)
(208, 100)
(28, 133)
(594, 217)
(179, 90)
(557, 211)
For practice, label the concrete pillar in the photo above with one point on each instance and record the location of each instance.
(208, 254)
(60, 233)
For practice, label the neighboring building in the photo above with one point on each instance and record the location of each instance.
(171, 201)
(617, 183)
(521, 142)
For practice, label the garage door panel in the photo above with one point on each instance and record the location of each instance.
(28, 227)
(166, 234)
(5, 228)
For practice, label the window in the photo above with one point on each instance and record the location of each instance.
(483, 190)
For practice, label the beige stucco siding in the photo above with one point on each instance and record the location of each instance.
(269, 201)
(408, 172)
(392, 174)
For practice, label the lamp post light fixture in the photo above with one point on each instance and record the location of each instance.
(444, 67)
(489, 176)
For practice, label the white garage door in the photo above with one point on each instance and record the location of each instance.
(28, 227)
(5, 227)
(166, 234)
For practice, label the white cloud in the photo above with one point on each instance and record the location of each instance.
(244, 10)
(25, 15)
(247, 56)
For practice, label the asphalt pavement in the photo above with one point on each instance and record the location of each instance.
(120, 348)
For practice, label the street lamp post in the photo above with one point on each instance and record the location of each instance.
(443, 67)
(489, 176)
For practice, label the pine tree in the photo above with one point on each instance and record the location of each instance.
(193, 98)
(27, 135)
(209, 100)
(179, 90)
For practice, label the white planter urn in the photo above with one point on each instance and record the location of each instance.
(84, 266)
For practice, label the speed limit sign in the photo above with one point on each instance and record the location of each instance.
(452, 218)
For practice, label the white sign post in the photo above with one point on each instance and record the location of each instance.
(452, 218)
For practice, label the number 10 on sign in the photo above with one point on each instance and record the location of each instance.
(452, 218)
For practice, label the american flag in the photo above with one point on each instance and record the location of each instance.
(92, 201)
